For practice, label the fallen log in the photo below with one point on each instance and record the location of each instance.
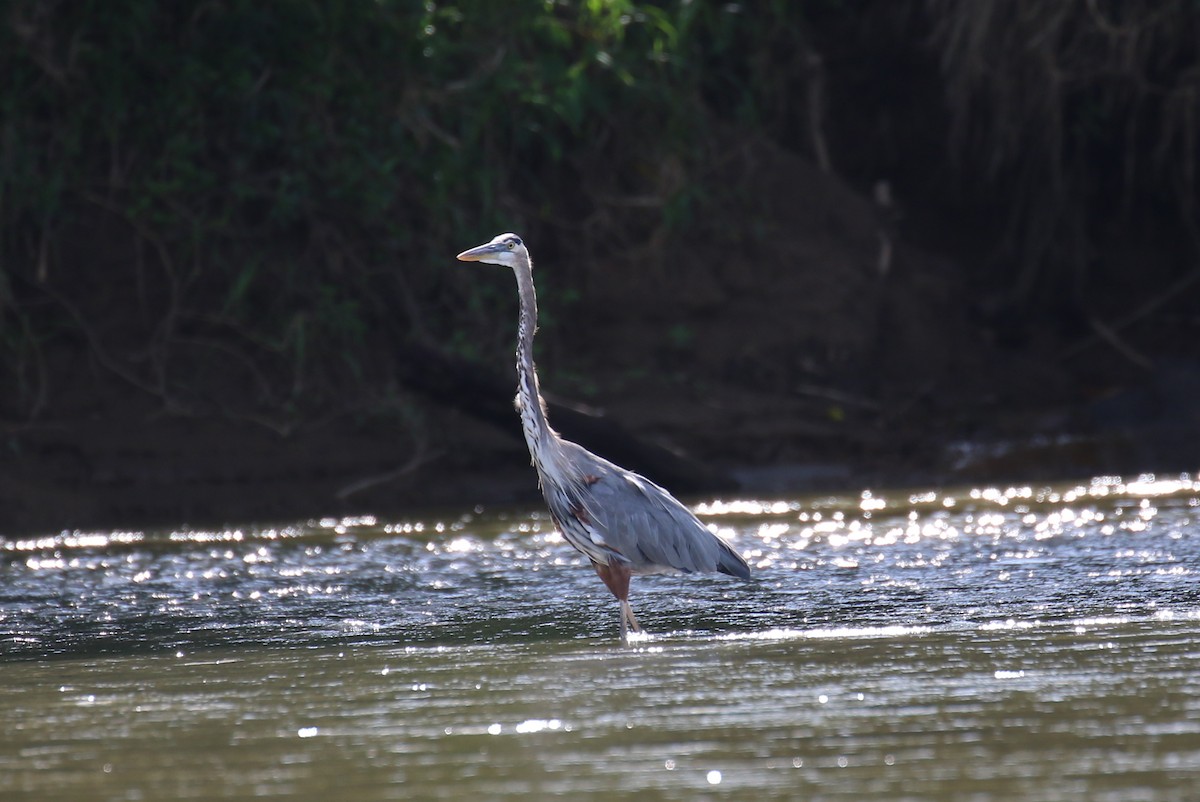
(487, 395)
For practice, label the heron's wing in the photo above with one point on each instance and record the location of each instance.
(645, 524)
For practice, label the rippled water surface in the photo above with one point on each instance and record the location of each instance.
(985, 644)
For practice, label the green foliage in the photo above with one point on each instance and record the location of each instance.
(286, 181)
(255, 201)
(681, 336)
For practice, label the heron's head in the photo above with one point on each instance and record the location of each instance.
(506, 249)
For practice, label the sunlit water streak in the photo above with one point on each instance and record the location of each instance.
(991, 643)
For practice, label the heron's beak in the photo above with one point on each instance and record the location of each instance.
(483, 251)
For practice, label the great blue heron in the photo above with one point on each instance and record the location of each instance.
(624, 523)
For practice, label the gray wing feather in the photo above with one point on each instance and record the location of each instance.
(645, 524)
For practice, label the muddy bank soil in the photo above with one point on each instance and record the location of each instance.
(132, 466)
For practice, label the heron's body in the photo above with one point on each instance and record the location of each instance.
(624, 523)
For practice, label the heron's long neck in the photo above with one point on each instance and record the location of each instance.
(538, 434)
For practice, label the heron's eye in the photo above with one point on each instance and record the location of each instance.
(511, 245)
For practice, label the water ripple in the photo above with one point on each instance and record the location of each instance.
(870, 562)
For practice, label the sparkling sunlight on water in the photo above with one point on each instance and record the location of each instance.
(987, 643)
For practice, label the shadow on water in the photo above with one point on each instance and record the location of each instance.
(992, 642)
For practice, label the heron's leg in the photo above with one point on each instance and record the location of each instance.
(627, 613)
(616, 576)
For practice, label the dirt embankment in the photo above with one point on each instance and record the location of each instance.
(804, 343)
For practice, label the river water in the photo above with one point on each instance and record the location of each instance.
(991, 643)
